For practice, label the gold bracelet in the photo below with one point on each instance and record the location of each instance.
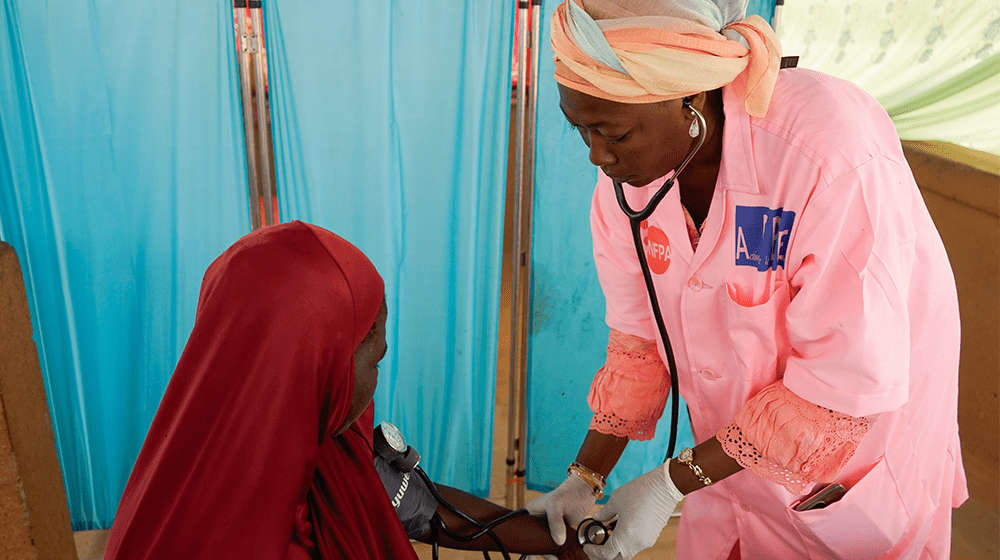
(686, 456)
(593, 479)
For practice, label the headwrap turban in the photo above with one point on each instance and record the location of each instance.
(645, 51)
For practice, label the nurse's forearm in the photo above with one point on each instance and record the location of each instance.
(600, 452)
(714, 463)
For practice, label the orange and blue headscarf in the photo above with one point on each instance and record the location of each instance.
(645, 51)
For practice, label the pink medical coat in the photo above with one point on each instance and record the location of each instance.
(818, 265)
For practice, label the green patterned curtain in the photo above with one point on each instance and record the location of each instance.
(933, 64)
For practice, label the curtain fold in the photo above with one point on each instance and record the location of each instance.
(122, 176)
(989, 68)
(390, 124)
(933, 64)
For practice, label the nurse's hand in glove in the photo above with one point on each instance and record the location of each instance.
(569, 503)
(643, 508)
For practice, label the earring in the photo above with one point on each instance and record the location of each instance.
(695, 129)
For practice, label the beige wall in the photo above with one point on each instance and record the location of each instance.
(962, 190)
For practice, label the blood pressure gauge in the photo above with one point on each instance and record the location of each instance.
(393, 437)
(389, 443)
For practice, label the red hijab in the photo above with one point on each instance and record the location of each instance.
(240, 461)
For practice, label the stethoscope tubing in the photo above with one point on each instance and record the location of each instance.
(635, 219)
(481, 528)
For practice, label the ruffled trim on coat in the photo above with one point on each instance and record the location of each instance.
(791, 441)
(628, 394)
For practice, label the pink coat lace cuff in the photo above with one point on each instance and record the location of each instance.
(787, 439)
(629, 392)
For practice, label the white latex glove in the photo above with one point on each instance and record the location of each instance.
(643, 507)
(570, 503)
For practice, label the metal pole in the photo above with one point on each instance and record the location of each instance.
(514, 369)
(776, 18)
(247, 46)
(528, 142)
(266, 174)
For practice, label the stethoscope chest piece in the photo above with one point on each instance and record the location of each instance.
(592, 531)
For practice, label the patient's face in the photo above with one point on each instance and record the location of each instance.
(366, 359)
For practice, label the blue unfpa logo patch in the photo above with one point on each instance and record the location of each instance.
(762, 236)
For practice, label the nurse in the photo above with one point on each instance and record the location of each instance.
(806, 293)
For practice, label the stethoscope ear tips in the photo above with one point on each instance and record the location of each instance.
(592, 531)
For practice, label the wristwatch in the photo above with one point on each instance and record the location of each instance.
(686, 456)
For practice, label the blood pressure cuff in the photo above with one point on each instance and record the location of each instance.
(413, 501)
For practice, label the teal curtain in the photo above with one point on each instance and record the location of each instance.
(390, 125)
(122, 176)
(763, 8)
(568, 336)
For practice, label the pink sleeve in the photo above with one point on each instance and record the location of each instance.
(629, 392)
(787, 439)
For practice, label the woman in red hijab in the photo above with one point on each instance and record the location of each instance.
(262, 444)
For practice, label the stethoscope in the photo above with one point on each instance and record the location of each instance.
(591, 531)
(635, 219)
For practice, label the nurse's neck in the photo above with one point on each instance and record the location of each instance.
(697, 181)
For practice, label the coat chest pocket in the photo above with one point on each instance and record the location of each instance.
(757, 335)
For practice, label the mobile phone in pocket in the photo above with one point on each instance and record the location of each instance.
(822, 498)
